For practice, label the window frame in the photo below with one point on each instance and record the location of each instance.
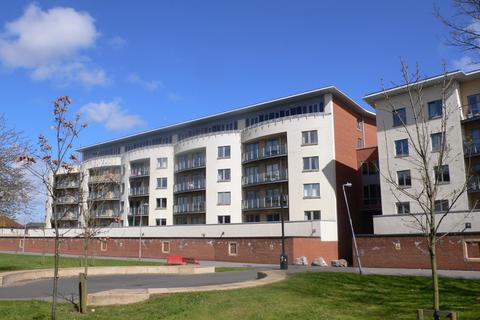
(403, 204)
(220, 203)
(434, 104)
(233, 244)
(162, 185)
(403, 154)
(404, 178)
(222, 154)
(310, 162)
(310, 215)
(311, 188)
(397, 120)
(443, 174)
(221, 177)
(222, 219)
(160, 201)
(160, 162)
(307, 137)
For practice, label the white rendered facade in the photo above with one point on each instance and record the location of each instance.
(463, 216)
(260, 150)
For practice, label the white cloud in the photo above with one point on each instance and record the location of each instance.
(173, 97)
(117, 42)
(466, 63)
(150, 85)
(49, 44)
(112, 115)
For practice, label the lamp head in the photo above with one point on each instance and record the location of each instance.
(348, 184)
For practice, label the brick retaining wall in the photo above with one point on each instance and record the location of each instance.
(408, 251)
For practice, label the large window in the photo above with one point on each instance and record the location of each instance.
(399, 117)
(311, 190)
(371, 194)
(162, 163)
(310, 163)
(401, 148)
(435, 109)
(403, 207)
(224, 198)
(473, 105)
(441, 205)
(442, 174)
(312, 215)
(161, 183)
(310, 137)
(224, 152)
(223, 175)
(404, 178)
(436, 141)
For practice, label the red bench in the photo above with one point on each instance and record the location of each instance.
(176, 260)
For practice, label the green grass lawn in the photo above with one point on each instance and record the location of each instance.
(13, 262)
(331, 296)
(227, 269)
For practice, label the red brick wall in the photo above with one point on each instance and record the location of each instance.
(411, 252)
(253, 250)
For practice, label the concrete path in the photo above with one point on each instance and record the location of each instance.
(68, 287)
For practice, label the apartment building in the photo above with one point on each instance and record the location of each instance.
(285, 157)
(462, 103)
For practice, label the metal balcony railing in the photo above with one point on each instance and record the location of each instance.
(264, 203)
(140, 191)
(105, 178)
(265, 177)
(189, 207)
(67, 184)
(471, 148)
(189, 186)
(109, 195)
(139, 211)
(71, 199)
(265, 153)
(68, 215)
(474, 184)
(140, 172)
(190, 164)
(106, 213)
(471, 111)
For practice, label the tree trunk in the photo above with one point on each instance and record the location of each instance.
(436, 292)
(55, 274)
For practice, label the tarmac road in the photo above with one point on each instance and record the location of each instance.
(68, 287)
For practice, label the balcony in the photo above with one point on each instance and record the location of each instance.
(139, 172)
(107, 213)
(265, 153)
(189, 208)
(191, 164)
(471, 148)
(138, 211)
(102, 196)
(188, 186)
(139, 192)
(66, 184)
(474, 184)
(264, 203)
(68, 215)
(471, 112)
(105, 178)
(265, 178)
(71, 199)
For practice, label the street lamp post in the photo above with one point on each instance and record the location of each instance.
(145, 208)
(349, 185)
(283, 256)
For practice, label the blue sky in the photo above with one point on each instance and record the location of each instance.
(130, 66)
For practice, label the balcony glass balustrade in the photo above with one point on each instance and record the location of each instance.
(189, 164)
(198, 207)
(264, 152)
(139, 191)
(265, 177)
(264, 203)
(189, 186)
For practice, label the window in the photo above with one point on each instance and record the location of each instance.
(436, 141)
(161, 183)
(310, 137)
(224, 152)
(162, 163)
(224, 198)
(399, 117)
(404, 179)
(441, 205)
(310, 164)
(311, 190)
(442, 174)
(473, 105)
(403, 207)
(165, 246)
(434, 109)
(223, 175)
(360, 144)
(312, 215)
(359, 124)
(223, 219)
(401, 148)
(371, 194)
(161, 222)
(370, 168)
(253, 218)
(103, 245)
(232, 249)
(273, 217)
(161, 203)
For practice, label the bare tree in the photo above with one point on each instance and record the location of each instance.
(15, 187)
(464, 25)
(429, 170)
(56, 158)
